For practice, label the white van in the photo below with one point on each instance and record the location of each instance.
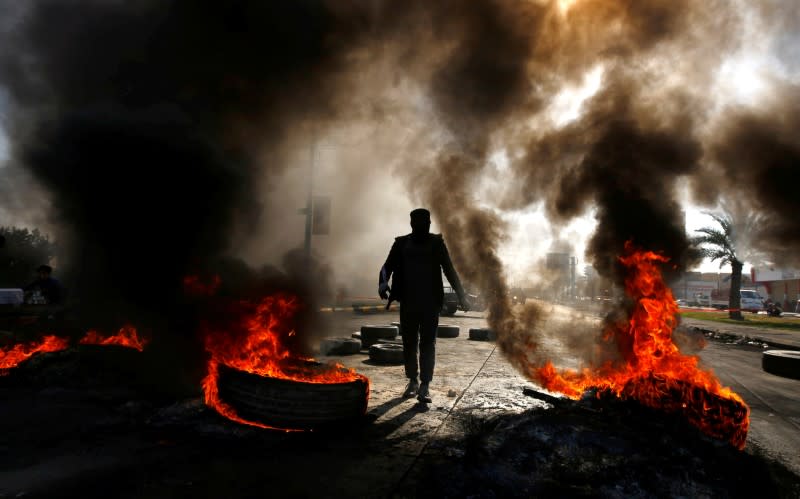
(751, 300)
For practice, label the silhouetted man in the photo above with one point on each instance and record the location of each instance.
(47, 285)
(415, 264)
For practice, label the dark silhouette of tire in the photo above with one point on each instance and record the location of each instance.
(482, 334)
(339, 346)
(449, 310)
(371, 334)
(447, 331)
(391, 342)
(287, 404)
(784, 363)
(386, 353)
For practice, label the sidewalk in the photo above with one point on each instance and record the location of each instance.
(776, 338)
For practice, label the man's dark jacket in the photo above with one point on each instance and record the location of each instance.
(441, 260)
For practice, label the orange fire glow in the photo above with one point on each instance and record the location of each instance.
(261, 347)
(127, 337)
(11, 356)
(653, 371)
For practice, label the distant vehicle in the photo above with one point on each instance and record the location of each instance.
(750, 300)
(450, 304)
(701, 300)
(773, 310)
(517, 296)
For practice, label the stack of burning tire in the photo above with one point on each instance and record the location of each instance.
(291, 403)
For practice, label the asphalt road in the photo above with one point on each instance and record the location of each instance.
(73, 441)
(774, 401)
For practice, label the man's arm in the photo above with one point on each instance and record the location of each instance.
(452, 277)
(386, 272)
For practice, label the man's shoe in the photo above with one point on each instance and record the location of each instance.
(423, 395)
(411, 389)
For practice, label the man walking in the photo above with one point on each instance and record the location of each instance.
(415, 264)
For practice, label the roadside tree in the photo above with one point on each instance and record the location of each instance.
(717, 243)
(23, 252)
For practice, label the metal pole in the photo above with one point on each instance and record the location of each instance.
(310, 200)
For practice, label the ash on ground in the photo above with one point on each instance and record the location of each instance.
(592, 448)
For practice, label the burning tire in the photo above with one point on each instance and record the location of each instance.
(447, 331)
(290, 404)
(339, 346)
(784, 363)
(371, 334)
(386, 353)
(482, 334)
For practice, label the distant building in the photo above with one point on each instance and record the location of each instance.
(562, 266)
(707, 285)
(782, 286)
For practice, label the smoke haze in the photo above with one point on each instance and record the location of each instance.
(161, 137)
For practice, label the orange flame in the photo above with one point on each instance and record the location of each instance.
(11, 357)
(127, 337)
(654, 371)
(261, 347)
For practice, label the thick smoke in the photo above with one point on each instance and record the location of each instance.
(754, 156)
(149, 124)
(154, 126)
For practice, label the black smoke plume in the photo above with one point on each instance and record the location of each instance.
(149, 122)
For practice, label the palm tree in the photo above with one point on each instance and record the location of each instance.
(718, 244)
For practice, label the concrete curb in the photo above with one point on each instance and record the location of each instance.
(756, 334)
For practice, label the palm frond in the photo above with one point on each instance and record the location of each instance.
(716, 243)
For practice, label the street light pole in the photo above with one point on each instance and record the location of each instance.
(310, 200)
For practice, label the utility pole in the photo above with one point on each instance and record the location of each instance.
(309, 210)
(572, 263)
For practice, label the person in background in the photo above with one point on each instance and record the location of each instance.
(415, 264)
(49, 287)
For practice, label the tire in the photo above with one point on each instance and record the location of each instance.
(371, 334)
(288, 404)
(390, 342)
(339, 346)
(449, 310)
(482, 334)
(386, 353)
(784, 363)
(447, 331)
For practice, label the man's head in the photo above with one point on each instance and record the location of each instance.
(420, 221)
(44, 271)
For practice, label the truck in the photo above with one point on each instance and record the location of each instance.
(750, 300)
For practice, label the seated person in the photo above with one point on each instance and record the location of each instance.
(50, 287)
